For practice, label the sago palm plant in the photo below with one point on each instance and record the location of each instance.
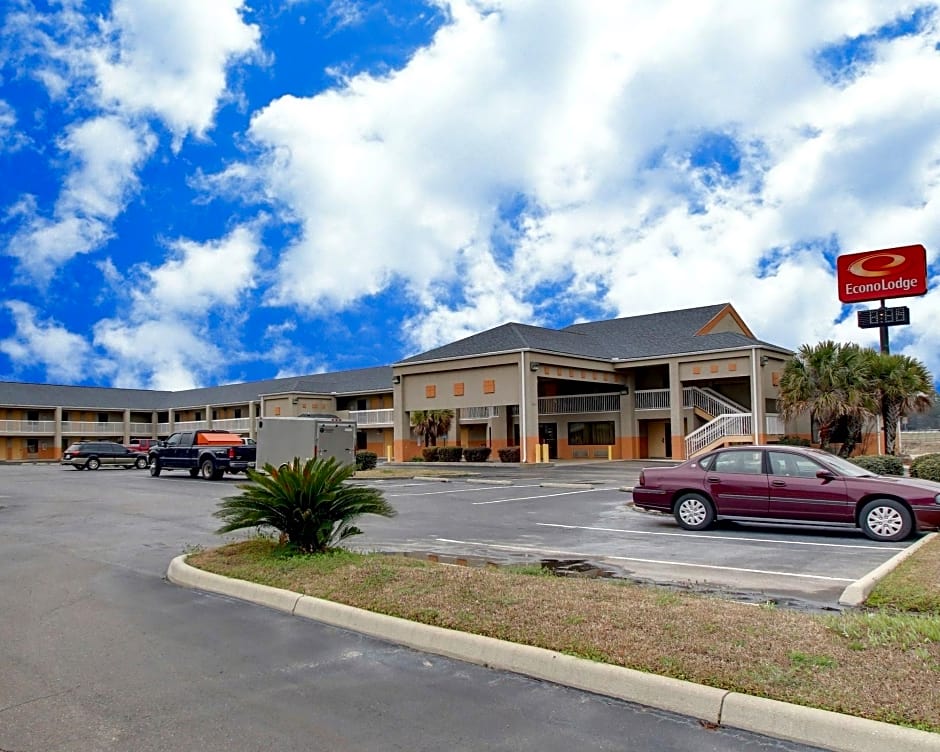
(310, 503)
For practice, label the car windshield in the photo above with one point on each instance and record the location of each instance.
(844, 467)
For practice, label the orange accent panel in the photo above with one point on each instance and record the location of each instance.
(775, 378)
(458, 389)
(713, 368)
(277, 410)
(430, 391)
(489, 386)
(219, 439)
(696, 370)
(678, 448)
(732, 366)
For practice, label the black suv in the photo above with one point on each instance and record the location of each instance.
(94, 454)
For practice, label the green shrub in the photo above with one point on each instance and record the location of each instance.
(430, 454)
(366, 460)
(476, 454)
(309, 502)
(794, 441)
(927, 466)
(449, 454)
(510, 454)
(416, 459)
(882, 464)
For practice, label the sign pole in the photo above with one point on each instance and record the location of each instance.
(885, 348)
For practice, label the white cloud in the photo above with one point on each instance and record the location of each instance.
(104, 154)
(591, 113)
(171, 59)
(200, 276)
(66, 357)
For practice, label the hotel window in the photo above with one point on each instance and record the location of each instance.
(598, 432)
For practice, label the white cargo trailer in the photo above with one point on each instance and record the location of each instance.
(280, 440)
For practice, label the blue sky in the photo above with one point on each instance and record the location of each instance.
(197, 193)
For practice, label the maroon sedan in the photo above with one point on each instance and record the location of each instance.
(785, 484)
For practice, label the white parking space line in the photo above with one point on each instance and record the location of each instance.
(540, 496)
(461, 490)
(578, 555)
(735, 538)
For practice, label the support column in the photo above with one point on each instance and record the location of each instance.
(57, 427)
(127, 426)
(252, 422)
(676, 427)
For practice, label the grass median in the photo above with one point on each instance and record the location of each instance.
(881, 662)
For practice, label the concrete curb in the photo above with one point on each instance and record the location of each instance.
(821, 728)
(586, 486)
(856, 593)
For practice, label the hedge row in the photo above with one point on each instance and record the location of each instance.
(882, 464)
(927, 466)
(454, 454)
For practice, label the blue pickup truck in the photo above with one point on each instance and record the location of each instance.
(209, 453)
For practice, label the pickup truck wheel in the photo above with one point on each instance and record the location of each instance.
(210, 471)
(155, 468)
(141, 463)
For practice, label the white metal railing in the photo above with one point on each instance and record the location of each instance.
(381, 417)
(163, 429)
(729, 424)
(774, 425)
(141, 429)
(736, 407)
(651, 399)
(232, 424)
(190, 425)
(27, 426)
(479, 413)
(709, 402)
(581, 403)
(92, 428)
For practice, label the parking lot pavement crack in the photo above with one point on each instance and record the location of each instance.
(31, 700)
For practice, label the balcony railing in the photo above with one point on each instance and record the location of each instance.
(381, 417)
(651, 399)
(479, 413)
(31, 427)
(91, 428)
(235, 425)
(581, 403)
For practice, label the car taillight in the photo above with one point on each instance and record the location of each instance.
(642, 481)
(231, 453)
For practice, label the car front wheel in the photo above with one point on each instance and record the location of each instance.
(886, 520)
(155, 468)
(694, 512)
(93, 463)
(140, 463)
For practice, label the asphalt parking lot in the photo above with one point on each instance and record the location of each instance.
(98, 651)
(581, 518)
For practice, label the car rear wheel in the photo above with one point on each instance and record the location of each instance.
(93, 463)
(155, 468)
(694, 512)
(140, 463)
(886, 520)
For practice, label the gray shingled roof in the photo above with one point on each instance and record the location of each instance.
(359, 381)
(633, 337)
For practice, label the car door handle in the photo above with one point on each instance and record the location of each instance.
(713, 479)
(778, 483)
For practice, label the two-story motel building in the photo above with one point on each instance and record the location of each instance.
(662, 385)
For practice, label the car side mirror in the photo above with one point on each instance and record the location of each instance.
(825, 475)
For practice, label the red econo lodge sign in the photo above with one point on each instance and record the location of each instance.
(889, 273)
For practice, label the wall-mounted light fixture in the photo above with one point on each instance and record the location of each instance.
(534, 367)
(396, 379)
(764, 360)
(625, 389)
(293, 400)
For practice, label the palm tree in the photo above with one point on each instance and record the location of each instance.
(832, 382)
(310, 504)
(904, 386)
(429, 424)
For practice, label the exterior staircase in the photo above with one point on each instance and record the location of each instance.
(728, 421)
